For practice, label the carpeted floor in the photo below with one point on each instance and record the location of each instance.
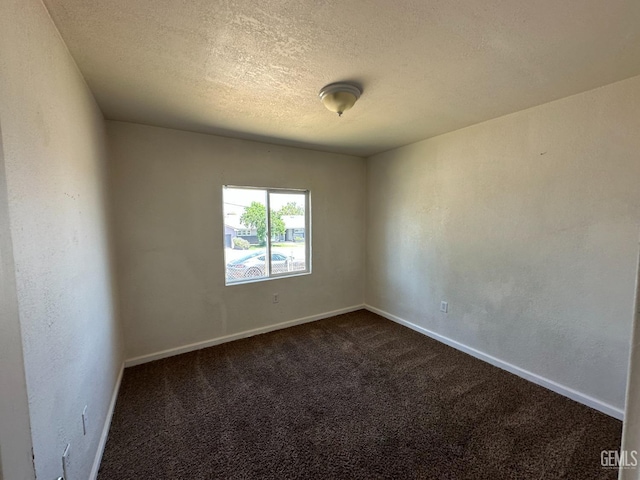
(351, 397)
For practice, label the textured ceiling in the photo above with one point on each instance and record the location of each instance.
(253, 69)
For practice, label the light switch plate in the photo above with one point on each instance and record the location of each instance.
(65, 461)
(85, 420)
(444, 307)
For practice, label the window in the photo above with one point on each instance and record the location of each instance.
(259, 246)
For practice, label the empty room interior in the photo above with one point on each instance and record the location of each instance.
(335, 240)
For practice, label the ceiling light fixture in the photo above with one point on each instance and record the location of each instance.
(339, 97)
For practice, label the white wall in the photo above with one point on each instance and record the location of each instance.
(631, 429)
(528, 226)
(15, 433)
(167, 192)
(53, 140)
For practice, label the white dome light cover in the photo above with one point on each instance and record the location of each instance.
(339, 97)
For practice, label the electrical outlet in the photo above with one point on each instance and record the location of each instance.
(444, 307)
(65, 462)
(85, 420)
(276, 298)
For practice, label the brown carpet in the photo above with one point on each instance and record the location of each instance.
(351, 397)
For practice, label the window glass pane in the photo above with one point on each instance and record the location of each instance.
(245, 232)
(288, 232)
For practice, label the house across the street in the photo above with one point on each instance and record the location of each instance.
(294, 225)
(233, 228)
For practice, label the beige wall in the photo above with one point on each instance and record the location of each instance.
(528, 226)
(54, 161)
(167, 192)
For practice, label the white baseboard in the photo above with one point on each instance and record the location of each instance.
(105, 427)
(236, 336)
(527, 375)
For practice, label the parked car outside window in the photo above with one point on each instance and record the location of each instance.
(254, 265)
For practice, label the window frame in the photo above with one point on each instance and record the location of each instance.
(268, 250)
